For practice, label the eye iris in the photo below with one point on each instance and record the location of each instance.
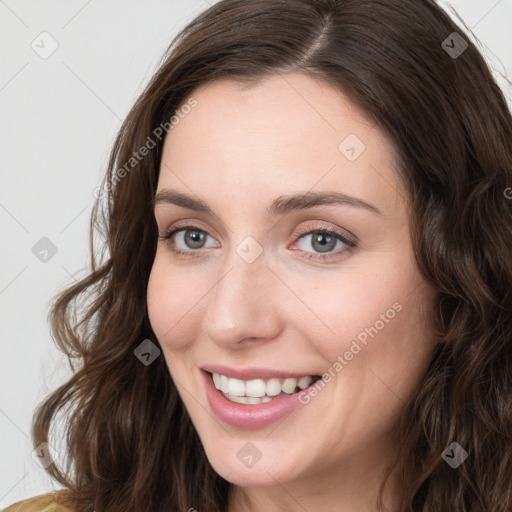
(196, 239)
(326, 242)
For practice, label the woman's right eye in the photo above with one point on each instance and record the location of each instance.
(191, 238)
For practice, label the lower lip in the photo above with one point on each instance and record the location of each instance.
(248, 416)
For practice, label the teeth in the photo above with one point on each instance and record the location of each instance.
(289, 385)
(304, 382)
(236, 387)
(273, 387)
(257, 390)
(224, 383)
(249, 400)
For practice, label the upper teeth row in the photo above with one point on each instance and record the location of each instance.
(258, 387)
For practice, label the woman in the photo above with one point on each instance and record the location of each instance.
(307, 301)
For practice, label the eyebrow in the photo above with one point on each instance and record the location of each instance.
(280, 206)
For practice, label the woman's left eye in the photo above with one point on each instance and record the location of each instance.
(323, 240)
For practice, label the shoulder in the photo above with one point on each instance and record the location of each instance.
(57, 501)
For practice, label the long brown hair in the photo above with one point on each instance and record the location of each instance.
(130, 444)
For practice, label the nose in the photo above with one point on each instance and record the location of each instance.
(243, 304)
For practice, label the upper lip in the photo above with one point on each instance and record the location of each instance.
(251, 373)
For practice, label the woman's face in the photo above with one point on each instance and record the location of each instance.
(259, 294)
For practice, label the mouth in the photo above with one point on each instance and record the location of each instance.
(253, 398)
(260, 391)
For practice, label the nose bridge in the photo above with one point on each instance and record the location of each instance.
(240, 305)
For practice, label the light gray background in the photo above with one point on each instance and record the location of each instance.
(59, 116)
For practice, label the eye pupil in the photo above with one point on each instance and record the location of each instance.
(326, 242)
(195, 237)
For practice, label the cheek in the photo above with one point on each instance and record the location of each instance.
(358, 305)
(383, 350)
(171, 299)
(377, 318)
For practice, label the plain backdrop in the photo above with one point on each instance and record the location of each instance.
(59, 113)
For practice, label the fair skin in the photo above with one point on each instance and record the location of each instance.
(238, 150)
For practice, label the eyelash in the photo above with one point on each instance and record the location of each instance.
(307, 230)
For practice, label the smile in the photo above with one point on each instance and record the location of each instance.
(232, 399)
(258, 391)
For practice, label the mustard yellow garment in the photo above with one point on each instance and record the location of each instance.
(51, 502)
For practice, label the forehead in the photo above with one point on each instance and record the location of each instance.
(289, 105)
(287, 132)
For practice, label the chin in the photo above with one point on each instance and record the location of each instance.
(252, 464)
